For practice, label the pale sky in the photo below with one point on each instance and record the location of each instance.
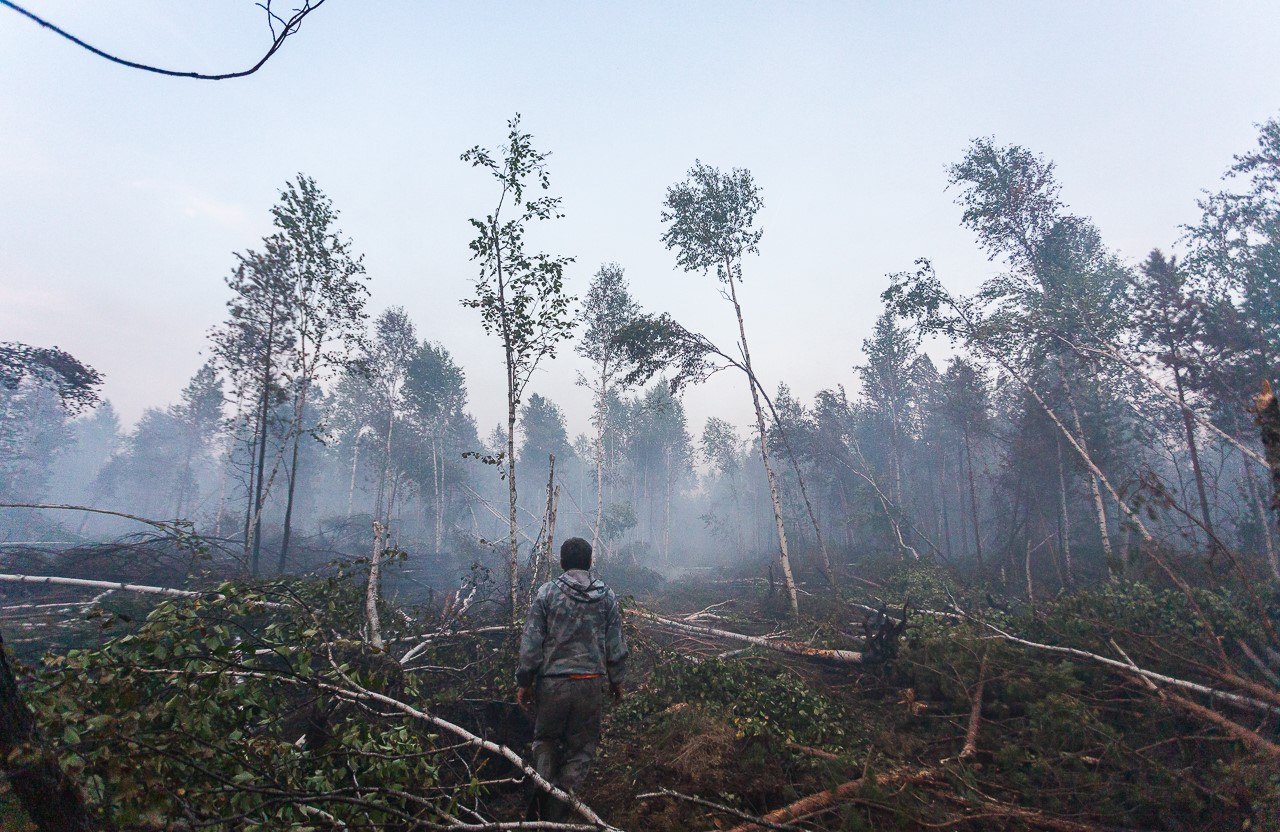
(123, 194)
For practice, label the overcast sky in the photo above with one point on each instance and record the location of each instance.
(123, 195)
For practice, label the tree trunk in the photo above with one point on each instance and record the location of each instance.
(973, 498)
(784, 555)
(553, 500)
(1266, 410)
(1126, 549)
(514, 556)
(1260, 508)
(226, 463)
(666, 516)
(373, 623)
(45, 792)
(1031, 592)
(248, 508)
(942, 500)
(288, 508)
(1053, 417)
(437, 483)
(1099, 506)
(1064, 518)
(299, 417)
(355, 459)
(293, 478)
(1189, 426)
(383, 502)
(975, 711)
(825, 556)
(262, 449)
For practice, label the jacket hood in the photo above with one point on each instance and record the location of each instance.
(581, 586)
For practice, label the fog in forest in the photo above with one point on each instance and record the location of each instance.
(872, 351)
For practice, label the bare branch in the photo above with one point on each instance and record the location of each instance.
(290, 27)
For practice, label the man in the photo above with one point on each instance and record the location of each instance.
(572, 643)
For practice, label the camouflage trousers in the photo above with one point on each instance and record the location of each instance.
(566, 731)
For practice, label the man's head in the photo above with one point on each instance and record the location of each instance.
(575, 553)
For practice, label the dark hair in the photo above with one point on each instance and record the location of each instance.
(575, 553)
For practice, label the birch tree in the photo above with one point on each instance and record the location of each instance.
(710, 219)
(607, 309)
(250, 347)
(520, 293)
(1062, 280)
(435, 392)
(327, 290)
(385, 366)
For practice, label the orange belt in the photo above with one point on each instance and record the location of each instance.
(584, 675)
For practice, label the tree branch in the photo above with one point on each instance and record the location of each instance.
(290, 27)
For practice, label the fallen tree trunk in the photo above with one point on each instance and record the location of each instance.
(1246, 736)
(782, 646)
(1236, 699)
(115, 586)
(834, 796)
(112, 585)
(975, 712)
(1239, 700)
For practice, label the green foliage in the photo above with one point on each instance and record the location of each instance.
(711, 220)
(75, 383)
(1136, 607)
(213, 709)
(520, 294)
(758, 700)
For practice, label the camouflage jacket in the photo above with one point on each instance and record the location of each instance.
(574, 626)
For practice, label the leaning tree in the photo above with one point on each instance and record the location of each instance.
(711, 225)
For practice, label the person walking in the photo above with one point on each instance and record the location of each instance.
(572, 644)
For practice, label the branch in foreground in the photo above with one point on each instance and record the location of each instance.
(356, 693)
(290, 27)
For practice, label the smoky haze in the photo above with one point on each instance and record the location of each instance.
(126, 194)
(910, 368)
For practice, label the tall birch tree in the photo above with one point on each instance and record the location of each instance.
(327, 290)
(520, 293)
